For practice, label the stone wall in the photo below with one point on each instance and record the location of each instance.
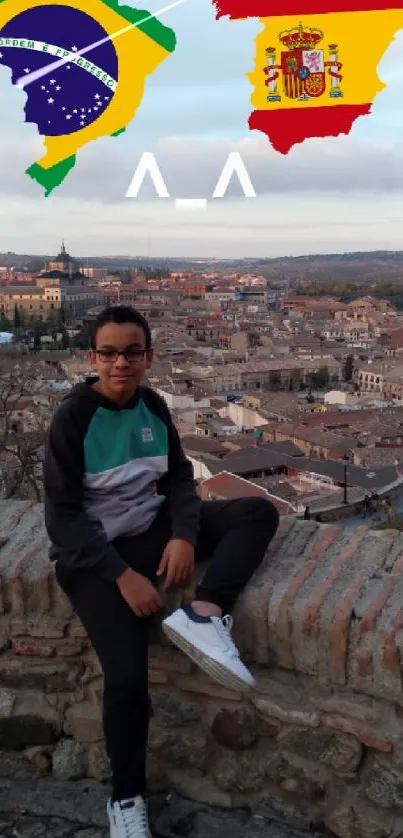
(320, 740)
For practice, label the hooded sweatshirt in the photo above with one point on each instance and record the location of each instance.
(107, 472)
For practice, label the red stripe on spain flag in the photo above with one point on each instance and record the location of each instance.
(240, 9)
(285, 128)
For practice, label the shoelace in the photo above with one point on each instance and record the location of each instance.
(224, 627)
(134, 820)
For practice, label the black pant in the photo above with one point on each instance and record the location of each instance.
(234, 537)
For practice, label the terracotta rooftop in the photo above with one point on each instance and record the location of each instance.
(228, 486)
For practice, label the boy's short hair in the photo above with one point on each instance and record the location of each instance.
(121, 315)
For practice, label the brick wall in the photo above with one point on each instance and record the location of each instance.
(322, 626)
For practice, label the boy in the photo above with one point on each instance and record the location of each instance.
(121, 510)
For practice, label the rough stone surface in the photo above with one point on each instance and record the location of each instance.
(178, 749)
(84, 723)
(317, 744)
(33, 721)
(351, 819)
(235, 728)
(51, 809)
(172, 711)
(97, 762)
(68, 760)
(296, 776)
(237, 772)
(384, 787)
(341, 752)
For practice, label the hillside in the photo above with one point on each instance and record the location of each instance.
(360, 268)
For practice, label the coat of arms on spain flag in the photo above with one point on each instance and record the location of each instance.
(315, 63)
(83, 66)
(303, 66)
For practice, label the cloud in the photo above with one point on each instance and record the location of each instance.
(191, 168)
(332, 194)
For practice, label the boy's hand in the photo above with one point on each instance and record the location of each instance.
(139, 593)
(177, 562)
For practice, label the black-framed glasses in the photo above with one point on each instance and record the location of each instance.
(132, 354)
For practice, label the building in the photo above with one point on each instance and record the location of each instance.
(63, 262)
(251, 295)
(31, 300)
(77, 300)
(62, 270)
(370, 378)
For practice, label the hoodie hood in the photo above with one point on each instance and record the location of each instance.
(85, 392)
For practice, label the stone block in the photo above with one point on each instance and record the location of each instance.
(69, 647)
(68, 760)
(36, 673)
(236, 728)
(339, 751)
(15, 765)
(338, 703)
(98, 763)
(95, 690)
(203, 686)
(33, 648)
(169, 660)
(370, 737)
(384, 787)
(39, 756)
(283, 696)
(44, 627)
(33, 722)
(157, 677)
(201, 789)
(298, 777)
(290, 715)
(175, 749)
(76, 629)
(84, 722)
(7, 701)
(233, 771)
(171, 710)
(356, 819)
(275, 809)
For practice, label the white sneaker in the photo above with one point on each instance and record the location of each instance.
(211, 646)
(129, 819)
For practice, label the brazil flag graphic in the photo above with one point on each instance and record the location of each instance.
(83, 66)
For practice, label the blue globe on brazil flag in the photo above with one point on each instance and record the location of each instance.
(70, 97)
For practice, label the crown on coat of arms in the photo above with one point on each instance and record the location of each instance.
(300, 37)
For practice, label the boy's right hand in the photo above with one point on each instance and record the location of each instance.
(139, 593)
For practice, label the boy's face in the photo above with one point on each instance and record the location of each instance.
(120, 374)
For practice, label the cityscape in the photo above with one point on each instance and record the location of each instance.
(279, 387)
(284, 379)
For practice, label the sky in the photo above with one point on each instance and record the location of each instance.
(326, 196)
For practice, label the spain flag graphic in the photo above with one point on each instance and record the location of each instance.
(316, 63)
(83, 66)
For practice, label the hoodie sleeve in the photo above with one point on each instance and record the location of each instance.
(178, 486)
(79, 542)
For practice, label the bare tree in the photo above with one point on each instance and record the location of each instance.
(26, 406)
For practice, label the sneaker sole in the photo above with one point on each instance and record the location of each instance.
(217, 671)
